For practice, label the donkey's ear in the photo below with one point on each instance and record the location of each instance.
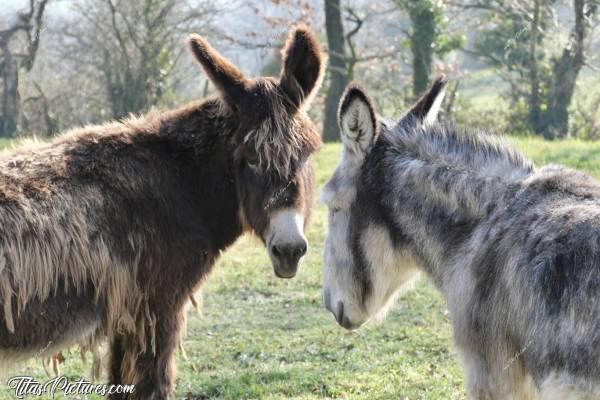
(357, 120)
(302, 70)
(427, 108)
(228, 79)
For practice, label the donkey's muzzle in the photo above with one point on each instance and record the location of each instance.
(337, 310)
(286, 258)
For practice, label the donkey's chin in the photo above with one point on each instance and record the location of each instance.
(345, 317)
(351, 324)
(285, 274)
(284, 268)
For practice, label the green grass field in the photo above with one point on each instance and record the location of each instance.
(265, 338)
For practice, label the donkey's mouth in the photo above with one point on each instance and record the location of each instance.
(285, 268)
(286, 259)
(340, 312)
(284, 275)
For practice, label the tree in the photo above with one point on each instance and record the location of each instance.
(132, 47)
(427, 38)
(422, 40)
(342, 62)
(566, 68)
(338, 72)
(542, 80)
(18, 48)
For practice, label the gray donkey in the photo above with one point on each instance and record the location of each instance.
(514, 250)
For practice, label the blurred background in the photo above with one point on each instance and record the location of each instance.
(520, 67)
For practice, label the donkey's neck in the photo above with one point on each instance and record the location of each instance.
(468, 174)
(206, 129)
(200, 138)
(199, 125)
(441, 187)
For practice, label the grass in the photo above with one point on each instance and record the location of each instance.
(265, 338)
(583, 155)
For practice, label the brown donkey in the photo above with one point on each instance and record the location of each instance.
(106, 232)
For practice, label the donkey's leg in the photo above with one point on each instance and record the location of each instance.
(154, 368)
(115, 366)
(563, 387)
(477, 375)
(492, 380)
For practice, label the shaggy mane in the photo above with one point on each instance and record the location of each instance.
(483, 153)
(470, 171)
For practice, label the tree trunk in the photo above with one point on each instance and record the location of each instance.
(421, 43)
(565, 71)
(338, 72)
(535, 110)
(30, 23)
(10, 95)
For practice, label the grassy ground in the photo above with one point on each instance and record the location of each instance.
(265, 338)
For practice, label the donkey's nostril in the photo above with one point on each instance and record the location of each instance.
(339, 315)
(302, 249)
(290, 252)
(276, 251)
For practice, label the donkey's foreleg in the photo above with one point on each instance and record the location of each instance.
(151, 369)
(489, 379)
(477, 384)
(157, 368)
(115, 365)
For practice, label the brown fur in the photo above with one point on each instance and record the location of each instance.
(109, 230)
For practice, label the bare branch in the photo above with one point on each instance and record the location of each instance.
(117, 33)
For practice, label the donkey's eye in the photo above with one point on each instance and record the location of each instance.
(252, 161)
(334, 210)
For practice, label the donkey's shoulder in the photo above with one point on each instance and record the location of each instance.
(566, 183)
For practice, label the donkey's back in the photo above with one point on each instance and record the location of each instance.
(547, 245)
(72, 236)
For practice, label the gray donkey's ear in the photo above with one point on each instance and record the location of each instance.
(357, 120)
(427, 108)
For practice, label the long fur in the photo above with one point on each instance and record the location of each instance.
(279, 142)
(514, 250)
(108, 231)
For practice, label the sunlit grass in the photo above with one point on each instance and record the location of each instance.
(578, 154)
(265, 338)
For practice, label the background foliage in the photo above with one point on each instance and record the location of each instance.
(66, 63)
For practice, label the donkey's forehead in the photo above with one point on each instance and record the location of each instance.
(267, 90)
(281, 137)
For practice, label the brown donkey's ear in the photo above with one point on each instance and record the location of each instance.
(426, 109)
(228, 79)
(303, 63)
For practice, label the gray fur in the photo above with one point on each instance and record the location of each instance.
(514, 250)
